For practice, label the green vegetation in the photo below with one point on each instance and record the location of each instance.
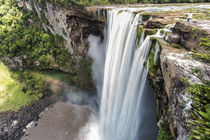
(79, 3)
(164, 132)
(19, 38)
(139, 33)
(205, 42)
(81, 79)
(149, 32)
(37, 50)
(152, 66)
(35, 83)
(200, 112)
(18, 89)
(203, 57)
(58, 75)
(203, 14)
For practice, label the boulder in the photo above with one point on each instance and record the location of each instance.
(156, 23)
(172, 38)
(190, 36)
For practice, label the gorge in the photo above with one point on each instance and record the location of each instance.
(147, 65)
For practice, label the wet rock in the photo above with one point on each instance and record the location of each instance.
(149, 31)
(172, 38)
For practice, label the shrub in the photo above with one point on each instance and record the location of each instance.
(164, 131)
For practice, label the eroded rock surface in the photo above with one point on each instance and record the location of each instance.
(190, 35)
(172, 38)
(73, 24)
(173, 103)
(157, 23)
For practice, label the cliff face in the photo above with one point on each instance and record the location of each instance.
(74, 25)
(176, 63)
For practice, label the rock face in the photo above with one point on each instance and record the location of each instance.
(73, 24)
(190, 35)
(173, 103)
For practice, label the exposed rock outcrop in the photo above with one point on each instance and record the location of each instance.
(190, 35)
(172, 38)
(157, 23)
(149, 31)
(173, 103)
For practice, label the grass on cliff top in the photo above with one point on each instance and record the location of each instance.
(12, 96)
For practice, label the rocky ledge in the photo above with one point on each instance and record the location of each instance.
(176, 62)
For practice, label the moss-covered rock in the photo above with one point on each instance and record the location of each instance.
(150, 31)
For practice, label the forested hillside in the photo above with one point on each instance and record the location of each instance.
(100, 2)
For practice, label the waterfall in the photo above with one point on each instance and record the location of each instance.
(125, 93)
(141, 39)
(156, 52)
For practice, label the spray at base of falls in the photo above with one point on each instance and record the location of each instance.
(125, 77)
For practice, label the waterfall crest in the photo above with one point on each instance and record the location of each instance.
(124, 77)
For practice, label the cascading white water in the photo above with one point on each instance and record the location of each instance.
(141, 39)
(127, 110)
(124, 77)
(156, 52)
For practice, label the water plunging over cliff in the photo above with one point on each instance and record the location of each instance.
(127, 110)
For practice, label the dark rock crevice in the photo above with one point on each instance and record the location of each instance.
(79, 30)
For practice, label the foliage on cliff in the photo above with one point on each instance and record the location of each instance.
(200, 123)
(19, 89)
(20, 38)
(79, 3)
(205, 57)
(164, 132)
(200, 112)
